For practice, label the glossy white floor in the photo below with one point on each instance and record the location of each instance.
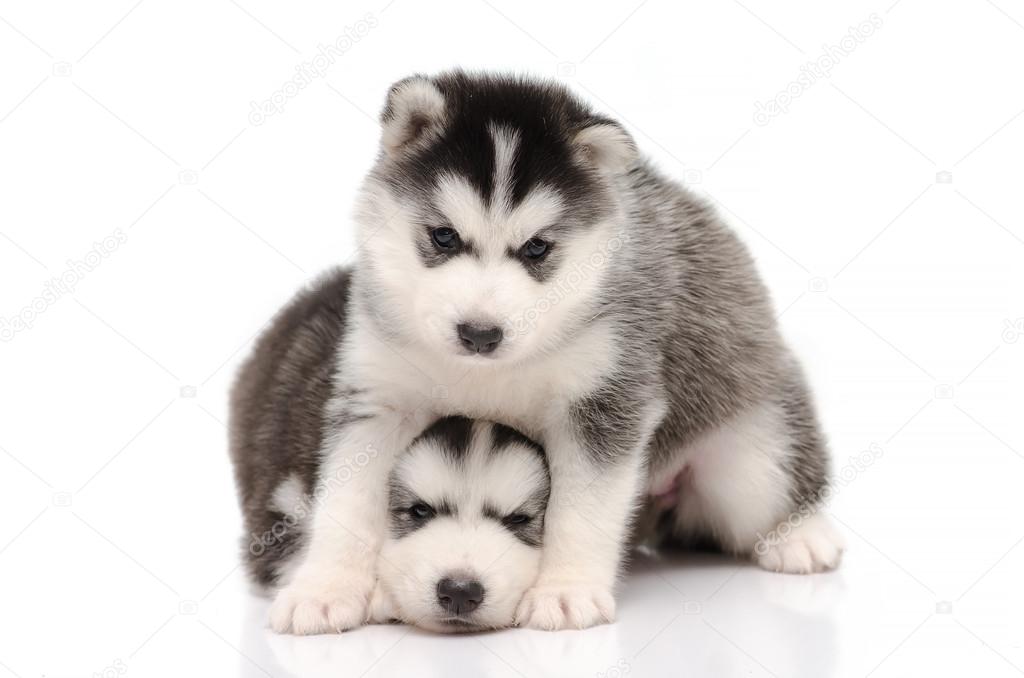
(881, 202)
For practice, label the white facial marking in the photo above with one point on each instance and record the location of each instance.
(506, 143)
(456, 198)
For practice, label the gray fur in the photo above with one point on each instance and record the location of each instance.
(719, 345)
(277, 416)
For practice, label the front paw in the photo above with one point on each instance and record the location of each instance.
(566, 604)
(318, 604)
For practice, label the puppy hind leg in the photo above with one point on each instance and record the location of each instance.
(741, 490)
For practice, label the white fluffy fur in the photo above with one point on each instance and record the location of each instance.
(732, 484)
(506, 140)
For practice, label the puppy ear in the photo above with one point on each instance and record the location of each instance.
(607, 145)
(414, 112)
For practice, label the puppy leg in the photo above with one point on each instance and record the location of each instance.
(741, 484)
(331, 588)
(596, 466)
(584, 532)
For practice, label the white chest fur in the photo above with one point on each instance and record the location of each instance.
(523, 394)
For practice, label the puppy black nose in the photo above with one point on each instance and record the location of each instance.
(460, 595)
(479, 339)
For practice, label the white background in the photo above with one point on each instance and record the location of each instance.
(883, 208)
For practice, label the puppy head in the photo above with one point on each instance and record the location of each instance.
(467, 503)
(491, 214)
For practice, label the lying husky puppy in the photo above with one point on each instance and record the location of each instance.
(466, 500)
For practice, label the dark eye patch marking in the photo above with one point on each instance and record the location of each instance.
(539, 268)
(431, 254)
(403, 509)
(530, 531)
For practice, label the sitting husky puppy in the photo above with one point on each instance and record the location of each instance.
(466, 500)
(521, 259)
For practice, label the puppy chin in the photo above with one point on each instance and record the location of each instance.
(451, 626)
(472, 358)
(436, 620)
(440, 624)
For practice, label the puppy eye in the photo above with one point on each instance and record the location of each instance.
(535, 248)
(516, 519)
(421, 511)
(445, 238)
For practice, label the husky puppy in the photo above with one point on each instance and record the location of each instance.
(466, 500)
(521, 262)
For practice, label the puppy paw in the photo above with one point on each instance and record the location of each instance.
(813, 545)
(313, 604)
(566, 605)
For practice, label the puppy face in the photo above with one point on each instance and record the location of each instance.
(467, 503)
(489, 217)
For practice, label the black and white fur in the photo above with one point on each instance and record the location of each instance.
(640, 349)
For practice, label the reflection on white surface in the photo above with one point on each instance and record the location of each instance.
(697, 613)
